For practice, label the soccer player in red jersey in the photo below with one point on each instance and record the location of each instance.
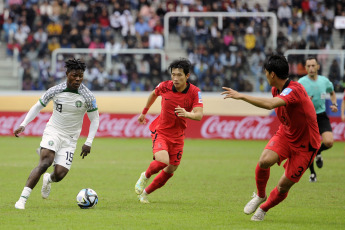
(180, 100)
(296, 141)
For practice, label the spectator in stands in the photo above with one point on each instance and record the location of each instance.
(273, 6)
(46, 11)
(186, 32)
(249, 39)
(296, 24)
(156, 40)
(334, 72)
(53, 44)
(284, 14)
(54, 29)
(141, 27)
(200, 32)
(136, 84)
(115, 22)
(10, 28)
(228, 60)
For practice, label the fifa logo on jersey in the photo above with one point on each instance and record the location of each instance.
(78, 104)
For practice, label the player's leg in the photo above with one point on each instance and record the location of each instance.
(325, 129)
(174, 159)
(159, 181)
(327, 142)
(295, 166)
(46, 160)
(160, 161)
(262, 173)
(63, 162)
(277, 195)
(276, 150)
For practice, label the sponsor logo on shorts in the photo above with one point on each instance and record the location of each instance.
(78, 104)
(51, 143)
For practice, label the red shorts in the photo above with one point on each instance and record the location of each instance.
(174, 149)
(298, 158)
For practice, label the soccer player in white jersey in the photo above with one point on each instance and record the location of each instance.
(71, 101)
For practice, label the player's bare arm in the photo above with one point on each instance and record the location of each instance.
(18, 131)
(334, 106)
(265, 103)
(195, 114)
(151, 99)
(85, 150)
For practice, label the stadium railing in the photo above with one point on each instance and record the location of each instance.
(108, 53)
(220, 16)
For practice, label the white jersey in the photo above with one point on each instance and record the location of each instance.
(69, 108)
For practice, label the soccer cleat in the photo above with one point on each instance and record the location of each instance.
(20, 204)
(319, 161)
(259, 215)
(45, 186)
(253, 204)
(143, 198)
(141, 183)
(312, 177)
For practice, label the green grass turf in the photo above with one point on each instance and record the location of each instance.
(208, 191)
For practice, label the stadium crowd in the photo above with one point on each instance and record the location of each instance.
(231, 56)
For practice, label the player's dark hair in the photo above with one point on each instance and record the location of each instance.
(181, 63)
(311, 57)
(75, 64)
(277, 64)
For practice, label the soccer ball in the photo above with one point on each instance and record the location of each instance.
(87, 198)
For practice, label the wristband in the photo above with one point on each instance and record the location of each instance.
(145, 111)
(335, 104)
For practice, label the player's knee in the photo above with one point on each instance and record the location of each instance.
(264, 164)
(43, 166)
(283, 189)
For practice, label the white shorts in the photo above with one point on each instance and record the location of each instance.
(63, 146)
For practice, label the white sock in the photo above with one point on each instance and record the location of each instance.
(145, 193)
(25, 194)
(50, 179)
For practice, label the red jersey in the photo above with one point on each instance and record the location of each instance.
(297, 117)
(168, 123)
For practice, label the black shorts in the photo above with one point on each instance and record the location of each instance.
(324, 123)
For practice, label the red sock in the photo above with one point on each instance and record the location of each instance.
(261, 178)
(275, 198)
(154, 168)
(159, 181)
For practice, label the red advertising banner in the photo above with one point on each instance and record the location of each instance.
(126, 126)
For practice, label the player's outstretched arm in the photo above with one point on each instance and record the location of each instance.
(265, 103)
(32, 114)
(151, 99)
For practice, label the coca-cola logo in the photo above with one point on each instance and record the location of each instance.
(338, 130)
(9, 123)
(124, 127)
(251, 127)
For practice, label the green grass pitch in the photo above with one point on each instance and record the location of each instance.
(208, 191)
